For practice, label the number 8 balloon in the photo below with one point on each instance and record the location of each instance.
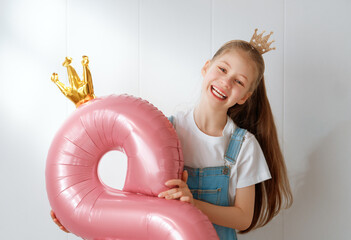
(92, 210)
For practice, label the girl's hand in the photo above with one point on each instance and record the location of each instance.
(182, 192)
(53, 216)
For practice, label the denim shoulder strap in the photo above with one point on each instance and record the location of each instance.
(234, 146)
(171, 119)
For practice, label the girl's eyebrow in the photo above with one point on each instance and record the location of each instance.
(225, 62)
(243, 76)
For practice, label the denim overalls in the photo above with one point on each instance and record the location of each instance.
(211, 184)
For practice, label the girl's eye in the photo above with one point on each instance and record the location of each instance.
(222, 69)
(238, 81)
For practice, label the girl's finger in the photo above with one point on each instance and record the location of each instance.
(185, 199)
(185, 176)
(168, 192)
(53, 216)
(64, 229)
(175, 195)
(57, 222)
(175, 182)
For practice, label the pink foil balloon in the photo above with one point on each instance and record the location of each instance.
(92, 210)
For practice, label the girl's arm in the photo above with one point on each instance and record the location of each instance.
(238, 216)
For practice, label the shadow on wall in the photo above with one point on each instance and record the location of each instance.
(321, 208)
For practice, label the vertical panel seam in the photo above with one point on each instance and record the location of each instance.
(66, 43)
(211, 27)
(139, 49)
(66, 26)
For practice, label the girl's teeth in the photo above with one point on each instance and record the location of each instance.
(218, 93)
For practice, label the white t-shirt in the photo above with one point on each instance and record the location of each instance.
(201, 150)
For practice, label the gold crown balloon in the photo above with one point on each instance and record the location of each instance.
(80, 91)
(261, 43)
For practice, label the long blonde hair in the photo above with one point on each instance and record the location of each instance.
(256, 116)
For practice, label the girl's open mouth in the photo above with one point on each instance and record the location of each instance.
(218, 93)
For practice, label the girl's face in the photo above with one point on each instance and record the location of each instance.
(228, 79)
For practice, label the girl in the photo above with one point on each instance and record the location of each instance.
(234, 169)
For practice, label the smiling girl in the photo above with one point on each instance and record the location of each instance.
(234, 169)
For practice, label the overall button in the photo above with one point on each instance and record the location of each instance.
(225, 170)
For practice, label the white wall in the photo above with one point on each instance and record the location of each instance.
(155, 49)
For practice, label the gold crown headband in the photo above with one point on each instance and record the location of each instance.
(261, 43)
(79, 91)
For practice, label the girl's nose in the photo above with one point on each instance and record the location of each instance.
(227, 82)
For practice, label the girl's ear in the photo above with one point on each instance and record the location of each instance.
(205, 68)
(243, 100)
